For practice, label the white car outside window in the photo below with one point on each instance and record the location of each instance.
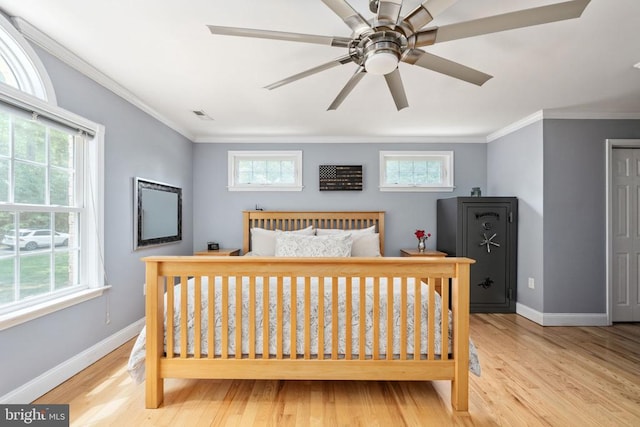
(33, 239)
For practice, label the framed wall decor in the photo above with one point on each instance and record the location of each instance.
(340, 177)
(157, 213)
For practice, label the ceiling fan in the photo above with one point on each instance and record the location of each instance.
(377, 46)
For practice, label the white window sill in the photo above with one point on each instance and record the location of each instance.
(265, 188)
(29, 313)
(419, 189)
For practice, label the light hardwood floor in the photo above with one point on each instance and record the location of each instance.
(531, 376)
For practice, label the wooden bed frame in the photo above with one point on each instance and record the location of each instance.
(161, 270)
(296, 220)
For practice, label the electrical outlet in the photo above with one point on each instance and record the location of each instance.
(532, 283)
(144, 289)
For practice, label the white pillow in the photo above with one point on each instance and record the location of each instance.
(330, 231)
(366, 244)
(263, 241)
(295, 245)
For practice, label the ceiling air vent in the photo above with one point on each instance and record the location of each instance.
(202, 115)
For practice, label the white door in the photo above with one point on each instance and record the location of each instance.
(626, 234)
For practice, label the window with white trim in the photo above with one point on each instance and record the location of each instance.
(44, 220)
(51, 183)
(416, 171)
(265, 170)
(19, 65)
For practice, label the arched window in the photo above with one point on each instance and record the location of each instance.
(51, 192)
(20, 67)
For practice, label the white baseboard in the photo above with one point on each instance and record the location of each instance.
(529, 313)
(55, 376)
(562, 319)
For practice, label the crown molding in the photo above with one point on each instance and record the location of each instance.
(559, 115)
(515, 126)
(54, 48)
(588, 115)
(329, 139)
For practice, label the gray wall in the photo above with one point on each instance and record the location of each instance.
(217, 212)
(135, 145)
(515, 168)
(574, 212)
(557, 170)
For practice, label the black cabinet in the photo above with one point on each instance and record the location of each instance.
(485, 229)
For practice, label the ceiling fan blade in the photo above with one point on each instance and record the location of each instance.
(426, 12)
(444, 66)
(339, 61)
(397, 89)
(280, 35)
(513, 20)
(388, 12)
(346, 90)
(349, 15)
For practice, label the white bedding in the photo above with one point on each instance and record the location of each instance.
(136, 360)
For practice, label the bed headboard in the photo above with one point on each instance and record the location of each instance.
(295, 220)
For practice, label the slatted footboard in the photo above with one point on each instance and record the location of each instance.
(324, 349)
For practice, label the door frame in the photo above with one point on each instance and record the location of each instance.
(610, 145)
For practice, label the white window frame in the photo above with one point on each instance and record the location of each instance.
(91, 193)
(28, 70)
(235, 156)
(444, 157)
(37, 98)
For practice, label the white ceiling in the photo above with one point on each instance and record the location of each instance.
(163, 53)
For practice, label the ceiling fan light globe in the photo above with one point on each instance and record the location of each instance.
(381, 63)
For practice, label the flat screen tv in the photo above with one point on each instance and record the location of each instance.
(157, 213)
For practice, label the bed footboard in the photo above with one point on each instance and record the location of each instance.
(359, 335)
